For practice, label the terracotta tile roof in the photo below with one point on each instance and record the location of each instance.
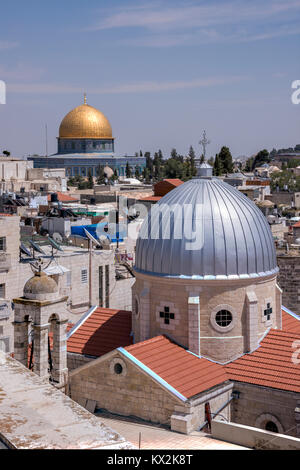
(174, 181)
(151, 198)
(185, 372)
(271, 365)
(103, 331)
(62, 197)
(290, 321)
(297, 225)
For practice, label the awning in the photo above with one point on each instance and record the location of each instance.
(56, 269)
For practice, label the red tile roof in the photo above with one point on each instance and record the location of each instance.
(62, 197)
(290, 323)
(184, 371)
(271, 365)
(151, 198)
(174, 181)
(297, 224)
(103, 331)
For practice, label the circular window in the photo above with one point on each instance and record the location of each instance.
(118, 368)
(271, 426)
(223, 318)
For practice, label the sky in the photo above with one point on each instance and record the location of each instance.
(161, 71)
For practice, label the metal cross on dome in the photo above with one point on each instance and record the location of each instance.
(204, 142)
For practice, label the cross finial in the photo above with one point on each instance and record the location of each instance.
(84, 98)
(204, 142)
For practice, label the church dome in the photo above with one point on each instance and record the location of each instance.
(40, 287)
(85, 122)
(216, 232)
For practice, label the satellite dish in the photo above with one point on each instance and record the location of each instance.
(36, 247)
(104, 241)
(57, 237)
(90, 237)
(25, 250)
(54, 244)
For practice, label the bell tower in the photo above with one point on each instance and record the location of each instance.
(38, 312)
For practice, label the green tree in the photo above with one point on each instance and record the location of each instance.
(225, 158)
(146, 175)
(6, 152)
(260, 158)
(100, 175)
(192, 156)
(137, 172)
(90, 181)
(217, 168)
(128, 170)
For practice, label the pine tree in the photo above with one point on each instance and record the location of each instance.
(90, 184)
(100, 175)
(137, 172)
(128, 170)
(192, 157)
(217, 168)
(225, 158)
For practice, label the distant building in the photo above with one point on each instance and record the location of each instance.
(85, 141)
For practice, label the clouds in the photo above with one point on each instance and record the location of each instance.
(4, 45)
(137, 87)
(171, 23)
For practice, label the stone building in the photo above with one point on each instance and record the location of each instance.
(289, 278)
(85, 141)
(86, 280)
(207, 321)
(208, 335)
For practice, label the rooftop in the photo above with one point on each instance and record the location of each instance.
(183, 371)
(100, 332)
(35, 415)
(271, 365)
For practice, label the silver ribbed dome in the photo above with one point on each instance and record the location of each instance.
(233, 238)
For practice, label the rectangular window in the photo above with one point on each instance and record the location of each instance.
(100, 286)
(2, 243)
(107, 286)
(2, 291)
(84, 276)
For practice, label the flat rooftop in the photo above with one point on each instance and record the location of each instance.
(35, 415)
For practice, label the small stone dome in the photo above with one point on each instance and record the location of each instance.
(41, 287)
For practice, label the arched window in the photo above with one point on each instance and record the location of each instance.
(271, 426)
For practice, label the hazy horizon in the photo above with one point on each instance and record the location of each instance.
(161, 72)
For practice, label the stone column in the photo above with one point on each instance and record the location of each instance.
(251, 342)
(59, 351)
(144, 313)
(278, 307)
(194, 323)
(21, 341)
(40, 351)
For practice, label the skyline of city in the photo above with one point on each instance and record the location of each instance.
(160, 72)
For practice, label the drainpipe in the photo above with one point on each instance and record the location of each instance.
(234, 394)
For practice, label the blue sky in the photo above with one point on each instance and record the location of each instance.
(161, 71)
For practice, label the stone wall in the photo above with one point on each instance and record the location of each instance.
(189, 417)
(77, 360)
(131, 393)
(289, 281)
(151, 295)
(257, 404)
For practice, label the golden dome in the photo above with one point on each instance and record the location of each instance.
(85, 122)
